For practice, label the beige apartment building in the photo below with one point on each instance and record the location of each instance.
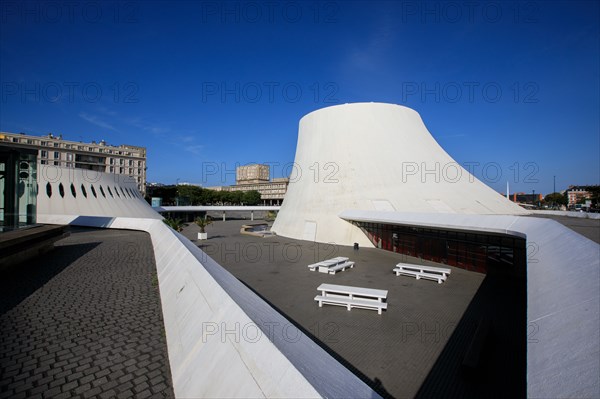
(126, 160)
(248, 174)
(256, 177)
(577, 193)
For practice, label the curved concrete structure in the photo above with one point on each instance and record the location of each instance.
(223, 340)
(66, 193)
(563, 296)
(374, 157)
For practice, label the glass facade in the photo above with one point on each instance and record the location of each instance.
(18, 187)
(468, 250)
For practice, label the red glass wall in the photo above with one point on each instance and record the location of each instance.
(467, 250)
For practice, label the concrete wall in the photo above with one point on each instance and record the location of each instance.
(563, 296)
(105, 194)
(377, 157)
(223, 340)
(571, 214)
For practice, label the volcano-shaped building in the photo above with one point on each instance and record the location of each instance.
(374, 157)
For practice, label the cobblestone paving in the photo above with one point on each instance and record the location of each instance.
(84, 321)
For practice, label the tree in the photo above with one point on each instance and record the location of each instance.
(202, 222)
(226, 197)
(167, 193)
(236, 197)
(175, 224)
(556, 198)
(193, 193)
(251, 197)
(594, 194)
(271, 215)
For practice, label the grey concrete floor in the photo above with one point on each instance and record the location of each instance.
(395, 350)
(85, 321)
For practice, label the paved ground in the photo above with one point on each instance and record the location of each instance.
(589, 228)
(84, 321)
(395, 351)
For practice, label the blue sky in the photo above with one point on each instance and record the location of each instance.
(512, 86)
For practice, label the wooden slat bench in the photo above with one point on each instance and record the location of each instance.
(352, 297)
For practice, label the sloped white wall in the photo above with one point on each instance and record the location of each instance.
(115, 195)
(378, 157)
(223, 340)
(563, 296)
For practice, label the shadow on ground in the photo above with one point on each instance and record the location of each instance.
(375, 383)
(22, 280)
(486, 354)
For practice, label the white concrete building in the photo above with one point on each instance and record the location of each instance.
(371, 172)
(360, 150)
(379, 157)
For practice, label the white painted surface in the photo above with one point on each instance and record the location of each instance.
(572, 214)
(374, 156)
(563, 296)
(203, 208)
(123, 199)
(310, 231)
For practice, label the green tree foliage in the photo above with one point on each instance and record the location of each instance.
(594, 194)
(251, 197)
(202, 222)
(167, 193)
(195, 195)
(175, 224)
(236, 197)
(192, 193)
(556, 198)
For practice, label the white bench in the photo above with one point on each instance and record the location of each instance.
(352, 297)
(429, 276)
(438, 274)
(313, 267)
(324, 266)
(341, 266)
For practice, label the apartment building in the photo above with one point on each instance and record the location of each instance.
(256, 177)
(124, 159)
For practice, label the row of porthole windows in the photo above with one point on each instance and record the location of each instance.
(127, 192)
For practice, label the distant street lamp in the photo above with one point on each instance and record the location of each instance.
(554, 194)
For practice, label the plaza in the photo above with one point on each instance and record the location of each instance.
(239, 312)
